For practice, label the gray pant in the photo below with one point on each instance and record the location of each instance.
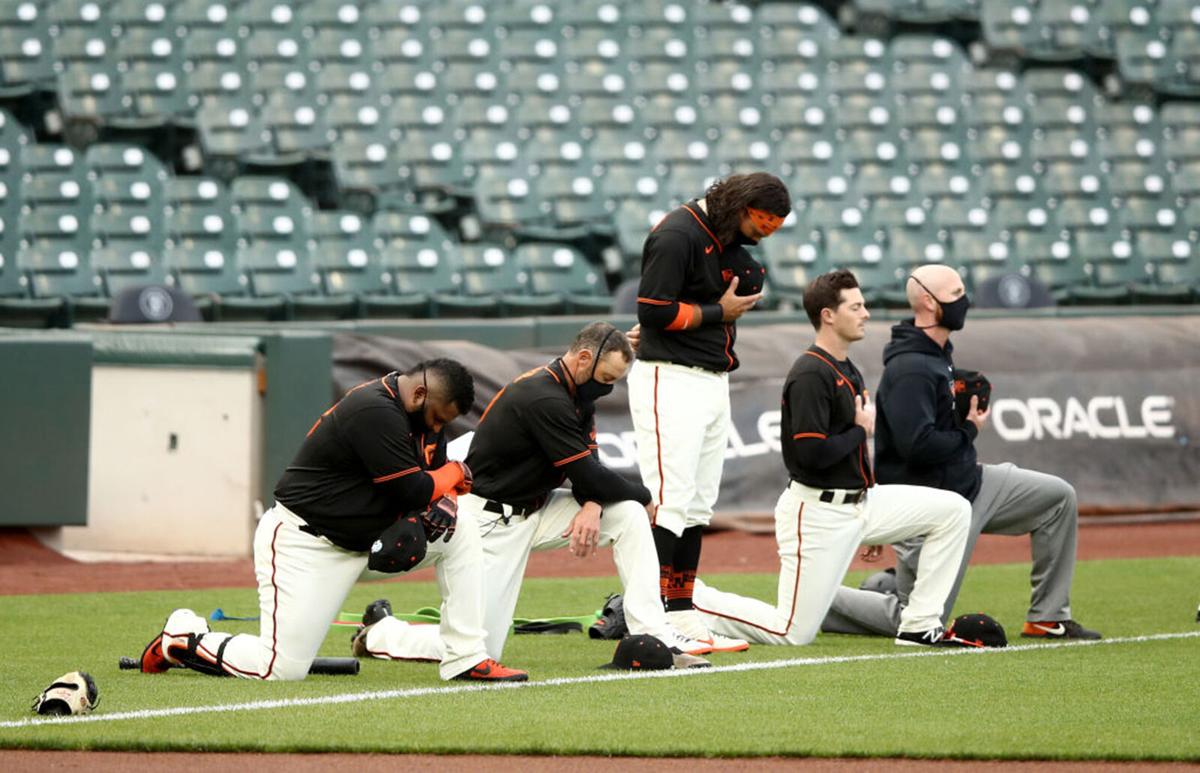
(1010, 501)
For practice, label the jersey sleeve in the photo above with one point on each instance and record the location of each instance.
(665, 259)
(810, 401)
(383, 442)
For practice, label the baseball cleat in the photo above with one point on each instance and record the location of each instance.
(678, 642)
(934, 637)
(1058, 629)
(691, 625)
(683, 660)
(180, 626)
(491, 671)
(376, 611)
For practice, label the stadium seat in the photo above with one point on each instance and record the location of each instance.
(283, 271)
(26, 55)
(230, 130)
(1114, 270)
(90, 96)
(490, 270)
(54, 253)
(127, 250)
(560, 271)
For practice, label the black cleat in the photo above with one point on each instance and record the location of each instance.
(376, 611)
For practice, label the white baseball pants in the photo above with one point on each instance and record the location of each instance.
(681, 424)
(506, 549)
(817, 542)
(303, 580)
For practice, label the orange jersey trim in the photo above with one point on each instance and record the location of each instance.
(394, 475)
(570, 459)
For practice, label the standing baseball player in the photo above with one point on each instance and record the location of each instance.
(377, 455)
(832, 504)
(537, 434)
(921, 441)
(697, 280)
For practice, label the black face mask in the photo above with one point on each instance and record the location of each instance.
(416, 419)
(954, 313)
(592, 390)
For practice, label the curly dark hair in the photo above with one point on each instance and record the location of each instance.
(825, 292)
(728, 199)
(451, 381)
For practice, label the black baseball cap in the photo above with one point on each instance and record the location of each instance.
(400, 547)
(976, 630)
(641, 653)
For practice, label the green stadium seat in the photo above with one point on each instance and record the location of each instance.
(418, 271)
(550, 148)
(1181, 134)
(599, 79)
(298, 129)
(725, 45)
(924, 79)
(1149, 213)
(195, 15)
(1137, 178)
(366, 174)
(1061, 145)
(230, 130)
(1062, 31)
(124, 264)
(1008, 25)
(938, 181)
(1124, 143)
(927, 49)
(633, 221)
(1121, 114)
(127, 176)
(1114, 270)
(157, 96)
(67, 15)
(668, 78)
(998, 145)
(26, 49)
(979, 245)
(996, 80)
(929, 111)
(575, 199)
(561, 271)
(82, 45)
(791, 265)
(1111, 18)
(268, 14)
(137, 15)
(335, 45)
(341, 15)
(408, 229)
(628, 183)
(432, 165)
(936, 146)
(213, 82)
(516, 17)
(1064, 180)
(1185, 54)
(90, 96)
(199, 192)
(488, 274)
(1054, 112)
(284, 271)
(1142, 58)
(54, 253)
(1175, 262)
(385, 16)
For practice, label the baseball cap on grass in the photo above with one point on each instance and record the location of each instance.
(641, 653)
(977, 630)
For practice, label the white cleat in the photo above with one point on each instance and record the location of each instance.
(689, 623)
(677, 642)
(181, 624)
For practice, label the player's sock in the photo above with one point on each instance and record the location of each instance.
(683, 569)
(664, 545)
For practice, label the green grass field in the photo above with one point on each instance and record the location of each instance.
(1124, 700)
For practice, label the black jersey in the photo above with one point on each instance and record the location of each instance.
(822, 446)
(361, 466)
(685, 271)
(534, 436)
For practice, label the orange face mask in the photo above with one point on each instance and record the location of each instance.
(764, 221)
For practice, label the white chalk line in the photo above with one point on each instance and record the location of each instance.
(417, 692)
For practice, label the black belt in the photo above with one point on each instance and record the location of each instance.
(843, 497)
(507, 511)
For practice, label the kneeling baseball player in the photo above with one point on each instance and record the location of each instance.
(537, 434)
(374, 461)
(832, 504)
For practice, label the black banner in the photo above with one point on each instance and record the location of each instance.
(1108, 404)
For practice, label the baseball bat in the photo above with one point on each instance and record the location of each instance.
(324, 666)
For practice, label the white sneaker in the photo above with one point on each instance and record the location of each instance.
(176, 630)
(689, 623)
(677, 642)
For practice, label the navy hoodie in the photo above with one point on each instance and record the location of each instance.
(918, 439)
